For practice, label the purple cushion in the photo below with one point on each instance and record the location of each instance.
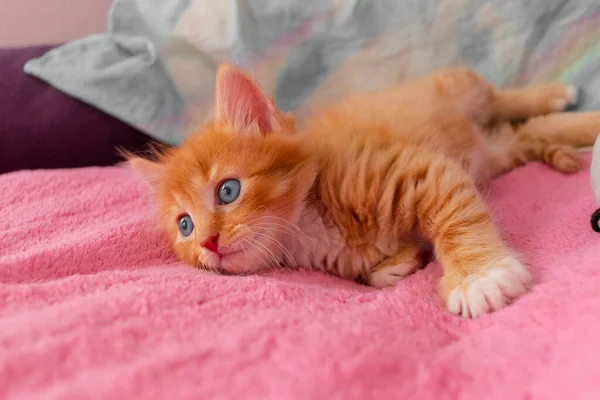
(41, 127)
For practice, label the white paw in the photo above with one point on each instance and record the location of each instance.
(571, 99)
(501, 283)
(389, 276)
(559, 104)
(572, 95)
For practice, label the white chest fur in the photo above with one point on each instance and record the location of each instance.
(317, 239)
(319, 245)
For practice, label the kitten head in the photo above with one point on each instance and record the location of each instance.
(227, 195)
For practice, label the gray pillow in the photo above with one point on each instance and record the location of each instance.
(154, 67)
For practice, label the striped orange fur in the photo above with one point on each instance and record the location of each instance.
(367, 182)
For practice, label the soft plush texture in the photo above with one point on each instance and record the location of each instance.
(154, 67)
(41, 127)
(94, 306)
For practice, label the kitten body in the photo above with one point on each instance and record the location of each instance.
(366, 184)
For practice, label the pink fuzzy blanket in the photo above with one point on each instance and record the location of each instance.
(93, 306)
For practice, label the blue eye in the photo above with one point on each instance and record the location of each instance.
(229, 191)
(186, 225)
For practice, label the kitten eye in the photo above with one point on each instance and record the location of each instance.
(229, 191)
(186, 225)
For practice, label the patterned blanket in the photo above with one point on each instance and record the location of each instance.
(154, 67)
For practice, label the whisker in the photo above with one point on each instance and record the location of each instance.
(286, 252)
(259, 208)
(245, 255)
(280, 262)
(291, 227)
(274, 224)
(269, 263)
(283, 229)
(267, 252)
(279, 219)
(205, 267)
(258, 253)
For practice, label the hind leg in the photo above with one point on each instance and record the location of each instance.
(553, 139)
(467, 91)
(530, 101)
(560, 157)
(579, 129)
(508, 150)
(550, 139)
(483, 103)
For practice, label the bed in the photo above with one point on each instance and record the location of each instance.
(93, 304)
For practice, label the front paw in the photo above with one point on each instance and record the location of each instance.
(406, 261)
(487, 289)
(390, 275)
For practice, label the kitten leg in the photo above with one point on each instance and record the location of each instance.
(531, 101)
(395, 268)
(508, 150)
(578, 129)
(468, 91)
(481, 101)
(549, 139)
(552, 139)
(480, 273)
(565, 159)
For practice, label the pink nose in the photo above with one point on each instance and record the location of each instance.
(212, 243)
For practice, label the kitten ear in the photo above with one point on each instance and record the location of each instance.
(241, 103)
(149, 170)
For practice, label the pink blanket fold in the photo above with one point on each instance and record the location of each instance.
(94, 306)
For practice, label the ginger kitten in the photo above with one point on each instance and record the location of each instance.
(368, 182)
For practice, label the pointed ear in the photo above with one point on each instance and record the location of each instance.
(241, 103)
(150, 171)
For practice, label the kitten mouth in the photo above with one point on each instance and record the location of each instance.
(228, 254)
(225, 261)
